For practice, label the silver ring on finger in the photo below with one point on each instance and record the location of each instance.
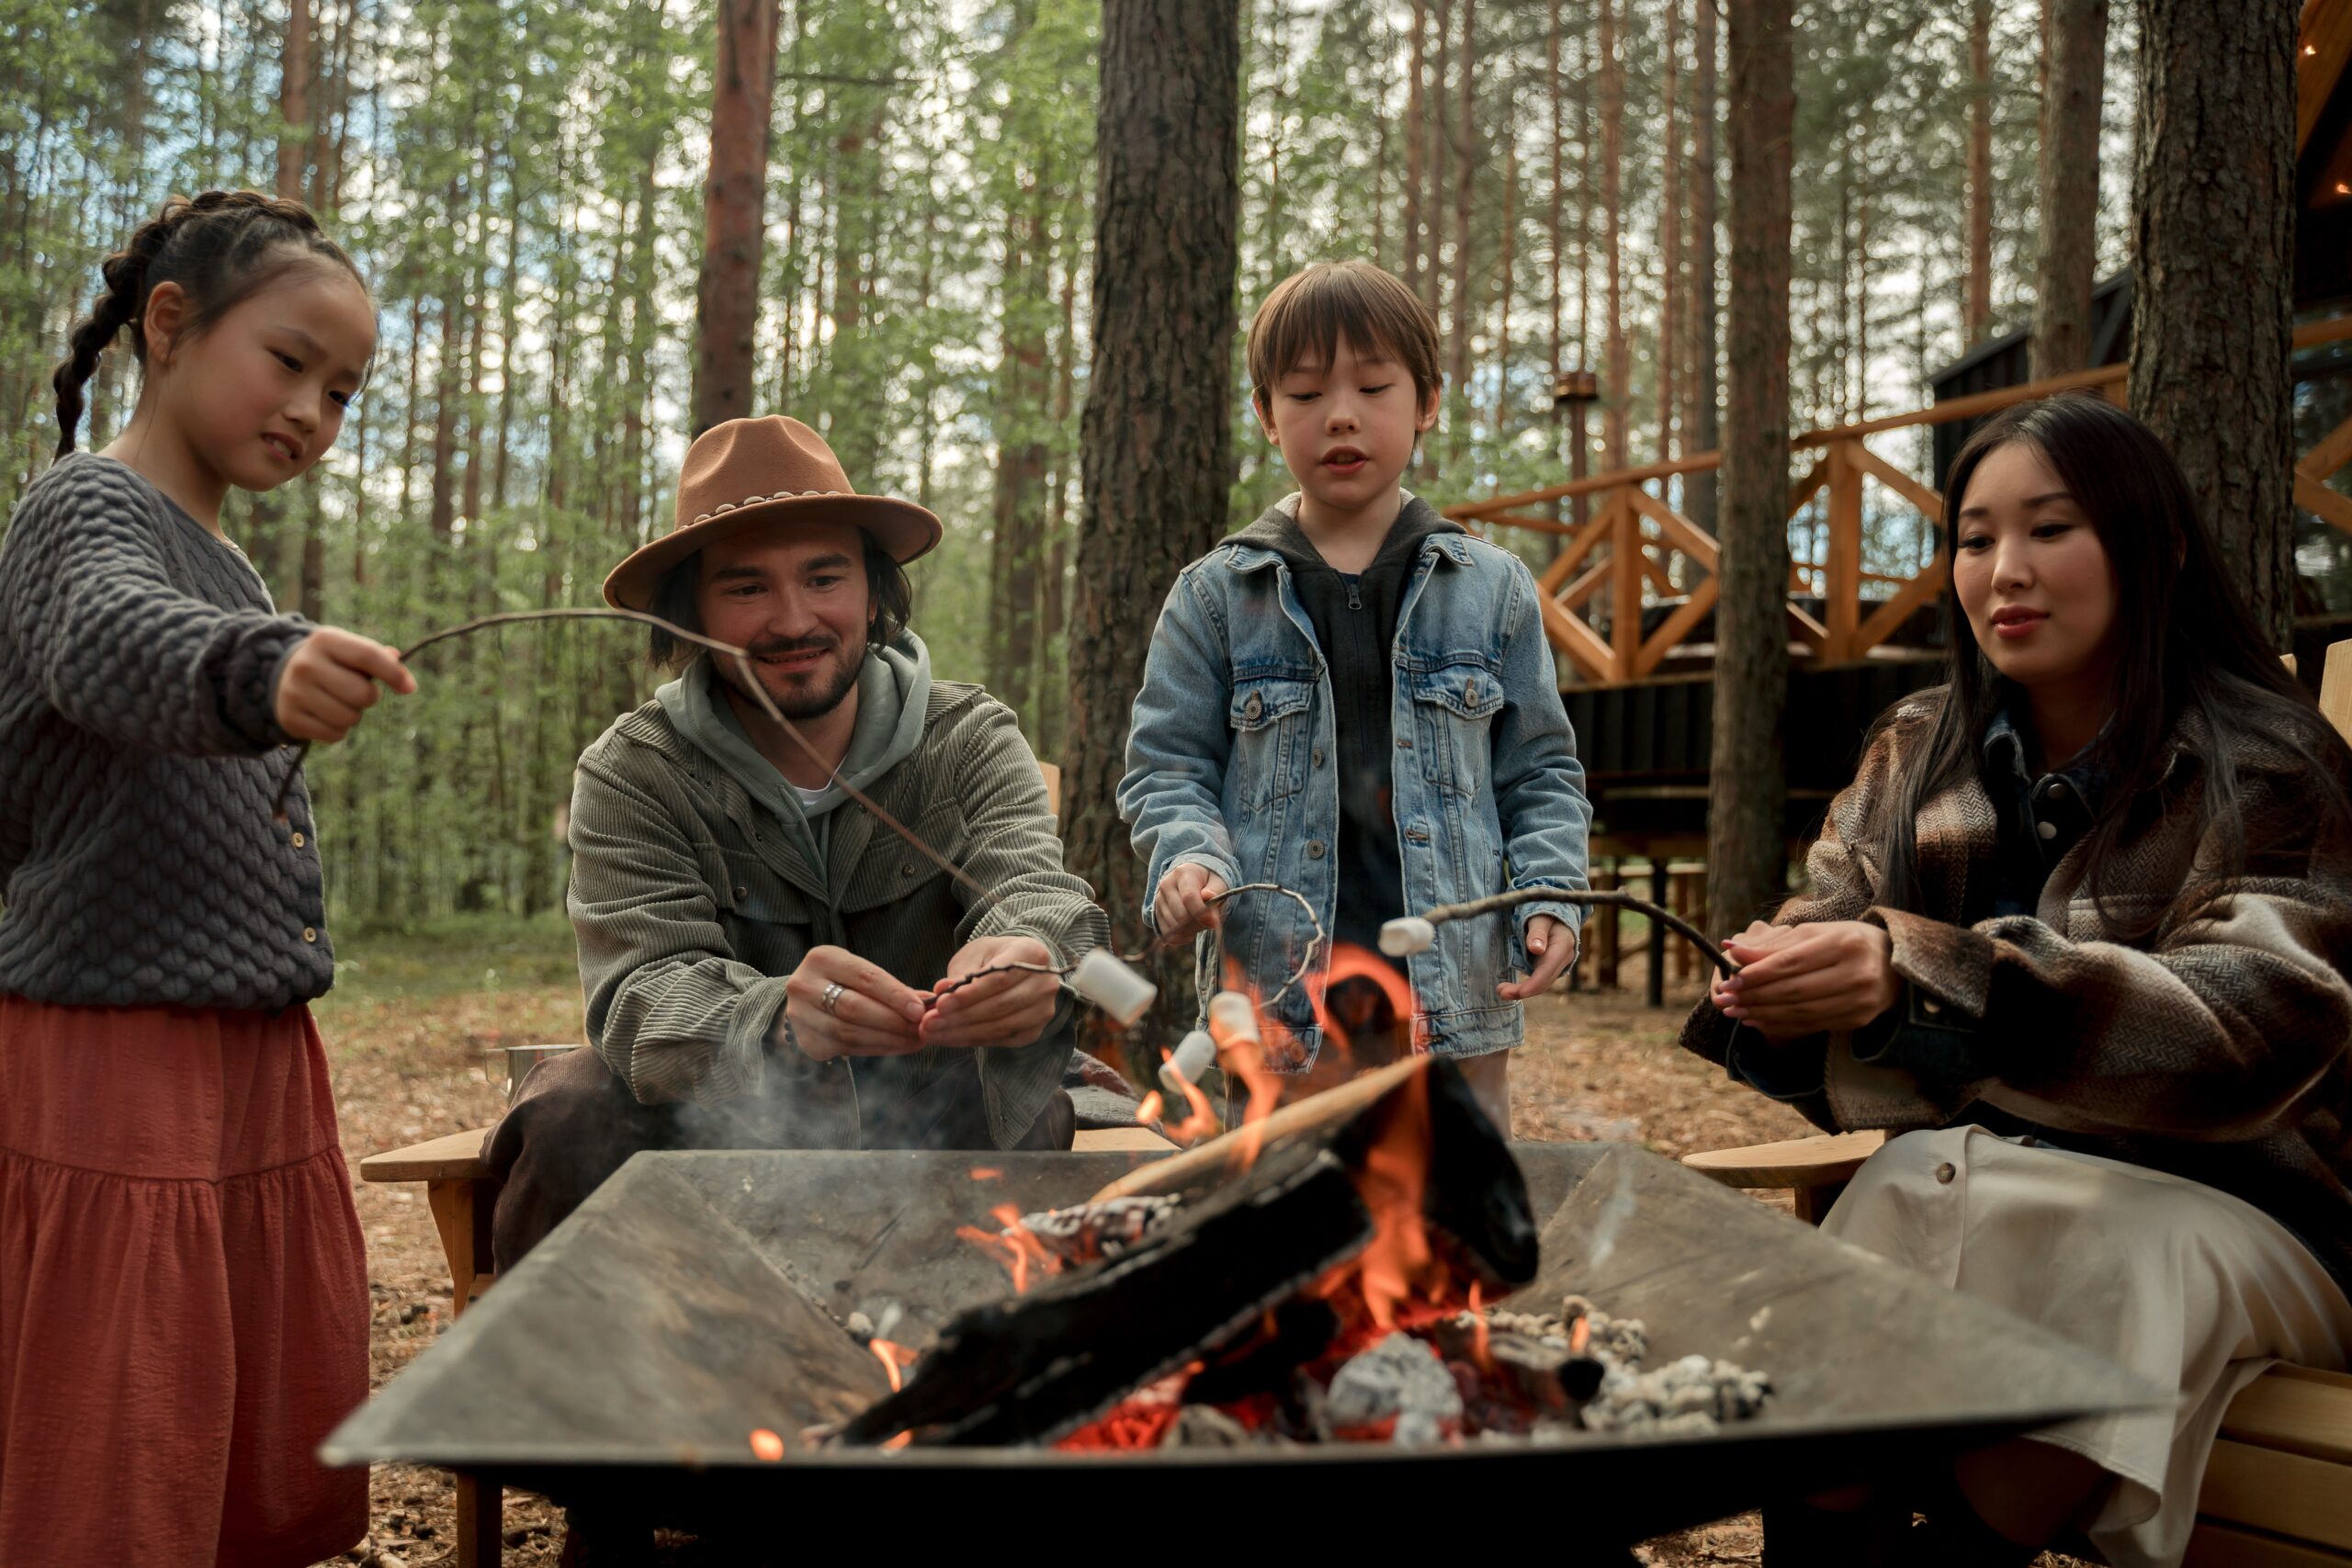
(831, 996)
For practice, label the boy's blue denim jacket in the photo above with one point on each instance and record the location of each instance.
(1230, 767)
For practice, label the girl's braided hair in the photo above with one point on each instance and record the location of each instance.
(222, 248)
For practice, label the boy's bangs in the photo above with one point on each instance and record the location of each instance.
(1304, 320)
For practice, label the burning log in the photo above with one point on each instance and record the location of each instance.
(1372, 1208)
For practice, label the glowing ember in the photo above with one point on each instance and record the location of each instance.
(767, 1445)
(987, 1173)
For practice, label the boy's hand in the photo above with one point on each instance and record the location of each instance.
(1828, 975)
(330, 679)
(1551, 948)
(1010, 1008)
(1182, 908)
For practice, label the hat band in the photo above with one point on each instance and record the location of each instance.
(725, 506)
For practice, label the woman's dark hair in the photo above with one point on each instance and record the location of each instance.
(222, 248)
(2185, 645)
(673, 601)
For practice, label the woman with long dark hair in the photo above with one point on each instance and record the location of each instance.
(2078, 931)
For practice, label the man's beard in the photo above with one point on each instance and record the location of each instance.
(814, 695)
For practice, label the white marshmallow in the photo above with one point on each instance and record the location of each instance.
(1195, 1054)
(1233, 1019)
(1408, 935)
(1104, 979)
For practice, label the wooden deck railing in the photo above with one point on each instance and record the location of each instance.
(1632, 526)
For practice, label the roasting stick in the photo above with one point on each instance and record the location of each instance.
(1418, 933)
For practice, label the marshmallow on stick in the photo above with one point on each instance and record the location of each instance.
(1107, 981)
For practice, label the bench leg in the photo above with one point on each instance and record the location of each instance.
(481, 1521)
(1812, 1203)
(461, 1213)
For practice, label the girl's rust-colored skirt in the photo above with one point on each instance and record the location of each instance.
(183, 1291)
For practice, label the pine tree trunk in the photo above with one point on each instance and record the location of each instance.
(1158, 428)
(1555, 228)
(1747, 861)
(734, 212)
(2213, 276)
(2076, 71)
(1465, 183)
(1617, 394)
(1416, 155)
(1504, 265)
(1978, 313)
(1706, 418)
(1441, 143)
(1670, 233)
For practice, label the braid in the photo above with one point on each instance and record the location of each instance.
(216, 246)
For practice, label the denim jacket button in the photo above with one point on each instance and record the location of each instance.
(1318, 756)
(1314, 849)
(1404, 743)
(1255, 706)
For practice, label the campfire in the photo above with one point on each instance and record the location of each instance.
(1321, 1276)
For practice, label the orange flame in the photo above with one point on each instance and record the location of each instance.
(1015, 1246)
(1396, 1266)
(987, 1173)
(1349, 962)
(893, 1357)
(1201, 1122)
(1480, 1355)
(1148, 1107)
(1579, 1337)
(767, 1445)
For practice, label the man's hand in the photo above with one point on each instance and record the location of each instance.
(1800, 980)
(330, 679)
(1182, 908)
(872, 1015)
(1009, 1009)
(1551, 948)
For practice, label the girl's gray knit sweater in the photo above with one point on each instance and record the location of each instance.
(139, 860)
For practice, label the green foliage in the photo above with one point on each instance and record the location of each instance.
(521, 181)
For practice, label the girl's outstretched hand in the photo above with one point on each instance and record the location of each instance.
(330, 679)
(1799, 980)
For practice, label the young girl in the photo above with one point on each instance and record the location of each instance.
(183, 1285)
(2082, 921)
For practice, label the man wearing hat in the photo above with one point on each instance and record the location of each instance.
(763, 960)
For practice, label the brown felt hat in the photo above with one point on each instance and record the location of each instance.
(765, 470)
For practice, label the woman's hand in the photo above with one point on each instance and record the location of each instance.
(1800, 980)
(1007, 1008)
(874, 1014)
(330, 679)
(1551, 948)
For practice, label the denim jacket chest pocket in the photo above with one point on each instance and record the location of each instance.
(1453, 715)
(1273, 719)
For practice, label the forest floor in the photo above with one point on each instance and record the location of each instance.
(414, 1018)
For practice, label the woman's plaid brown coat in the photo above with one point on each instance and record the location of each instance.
(2218, 1045)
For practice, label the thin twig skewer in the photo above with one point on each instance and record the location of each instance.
(1415, 933)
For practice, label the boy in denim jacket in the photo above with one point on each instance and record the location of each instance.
(1353, 697)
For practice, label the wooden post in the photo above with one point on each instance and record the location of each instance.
(1605, 928)
(482, 1519)
(1844, 610)
(1654, 986)
(1625, 587)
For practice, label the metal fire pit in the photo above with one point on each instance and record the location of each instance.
(695, 1297)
